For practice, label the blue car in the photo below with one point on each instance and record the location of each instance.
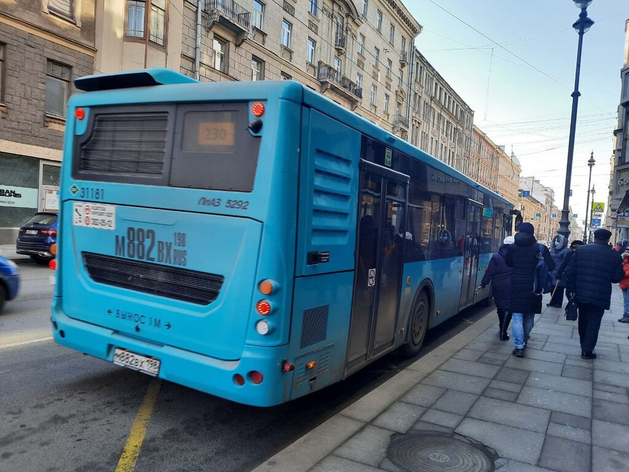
(9, 280)
(37, 235)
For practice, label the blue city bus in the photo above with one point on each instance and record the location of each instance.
(255, 241)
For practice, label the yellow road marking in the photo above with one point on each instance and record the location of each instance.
(132, 449)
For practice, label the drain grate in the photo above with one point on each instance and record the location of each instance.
(438, 452)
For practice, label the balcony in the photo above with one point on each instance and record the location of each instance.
(401, 121)
(340, 42)
(331, 79)
(230, 15)
(403, 59)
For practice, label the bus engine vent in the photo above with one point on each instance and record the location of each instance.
(164, 281)
(315, 326)
(133, 144)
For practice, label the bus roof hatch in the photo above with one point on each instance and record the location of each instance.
(130, 79)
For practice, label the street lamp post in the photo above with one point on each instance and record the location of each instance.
(587, 205)
(582, 25)
(587, 238)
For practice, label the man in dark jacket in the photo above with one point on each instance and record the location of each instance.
(522, 256)
(592, 270)
(561, 273)
(499, 275)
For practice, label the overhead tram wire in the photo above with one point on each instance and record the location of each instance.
(513, 54)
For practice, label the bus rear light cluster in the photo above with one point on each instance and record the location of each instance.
(253, 376)
(79, 113)
(263, 327)
(52, 264)
(265, 307)
(257, 109)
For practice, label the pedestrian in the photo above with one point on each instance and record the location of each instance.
(592, 270)
(624, 286)
(522, 256)
(561, 273)
(499, 275)
(558, 251)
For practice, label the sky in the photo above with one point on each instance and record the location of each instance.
(513, 62)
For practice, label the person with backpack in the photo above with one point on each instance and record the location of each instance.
(499, 275)
(592, 271)
(558, 251)
(525, 291)
(624, 286)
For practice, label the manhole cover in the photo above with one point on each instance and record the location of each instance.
(432, 452)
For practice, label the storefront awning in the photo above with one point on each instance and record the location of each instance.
(624, 204)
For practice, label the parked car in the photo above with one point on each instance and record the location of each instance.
(36, 237)
(9, 280)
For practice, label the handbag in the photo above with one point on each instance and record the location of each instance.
(572, 309)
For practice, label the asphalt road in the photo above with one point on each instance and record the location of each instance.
(64, 411)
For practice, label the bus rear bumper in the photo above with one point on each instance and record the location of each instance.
(200, 372)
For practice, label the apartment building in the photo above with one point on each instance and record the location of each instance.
(44, 45)
(441, 121)
(537, 204)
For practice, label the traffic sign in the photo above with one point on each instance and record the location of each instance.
(596, 222)
(598, 207)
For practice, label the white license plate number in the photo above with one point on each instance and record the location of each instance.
(131, 360)
(31, 231)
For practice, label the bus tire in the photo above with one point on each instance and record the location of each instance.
(417, 326)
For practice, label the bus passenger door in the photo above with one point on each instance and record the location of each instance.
(471, 253)
(379, 262)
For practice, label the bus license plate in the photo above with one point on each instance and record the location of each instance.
(146, 365)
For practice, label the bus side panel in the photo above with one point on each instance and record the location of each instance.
(445, 277)
(320, 329)
(328, 198)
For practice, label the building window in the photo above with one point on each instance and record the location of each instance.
(389, 66)
(257, 69)
(365, 5)
(379, 20)
(401, 79)
(285, 76)
(312, 49)
(403, 47)
(359, 81)
(158, 13)
(376, 57)
(258, 14)
(220, 54)
(386, 103)
(374, 94)
(3, 48)
(57, 87)
(392, 34)
(314, 7)
(361, 44)
(337, 67)
(286, 32)
(136, 12)
(64, 8)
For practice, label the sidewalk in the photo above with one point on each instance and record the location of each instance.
(550, 410)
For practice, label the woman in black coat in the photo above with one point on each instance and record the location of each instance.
(499, 275)
(522, 256)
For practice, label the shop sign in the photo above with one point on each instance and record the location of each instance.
(18, 197)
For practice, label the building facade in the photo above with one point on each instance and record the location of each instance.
(537, 204)
(44, 45)
(619, 185)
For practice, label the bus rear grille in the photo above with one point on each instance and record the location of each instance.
(131, 144)
(164, 281)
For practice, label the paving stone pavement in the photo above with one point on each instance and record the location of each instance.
(548, 411)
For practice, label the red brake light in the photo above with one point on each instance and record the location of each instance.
(239, 380)
(257, 109)
(256, 377)
(53, 264)
(79, 113)
(263, 307)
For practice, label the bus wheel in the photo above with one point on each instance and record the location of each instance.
(417, 326)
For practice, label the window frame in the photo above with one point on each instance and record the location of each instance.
(365, 7)
(392, 33)
(286, 34)
(311, 47)
(313, 5)
(257, 74)
(69, 17)
(147, 25)
(3, 70)
(258, 14)
(67, 82)
(376, 57)
(225, 53)
(361, 44)
(387, 100)
(379, 20)
(374, 95)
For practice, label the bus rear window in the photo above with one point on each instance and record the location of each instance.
(205, 145)
(214, 148)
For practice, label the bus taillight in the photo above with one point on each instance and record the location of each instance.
(264, 307)
(257, 109)
(263, 327)
(53, 264)
(256, 377)
(268, 286)
(239, 380)
(79, 113)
